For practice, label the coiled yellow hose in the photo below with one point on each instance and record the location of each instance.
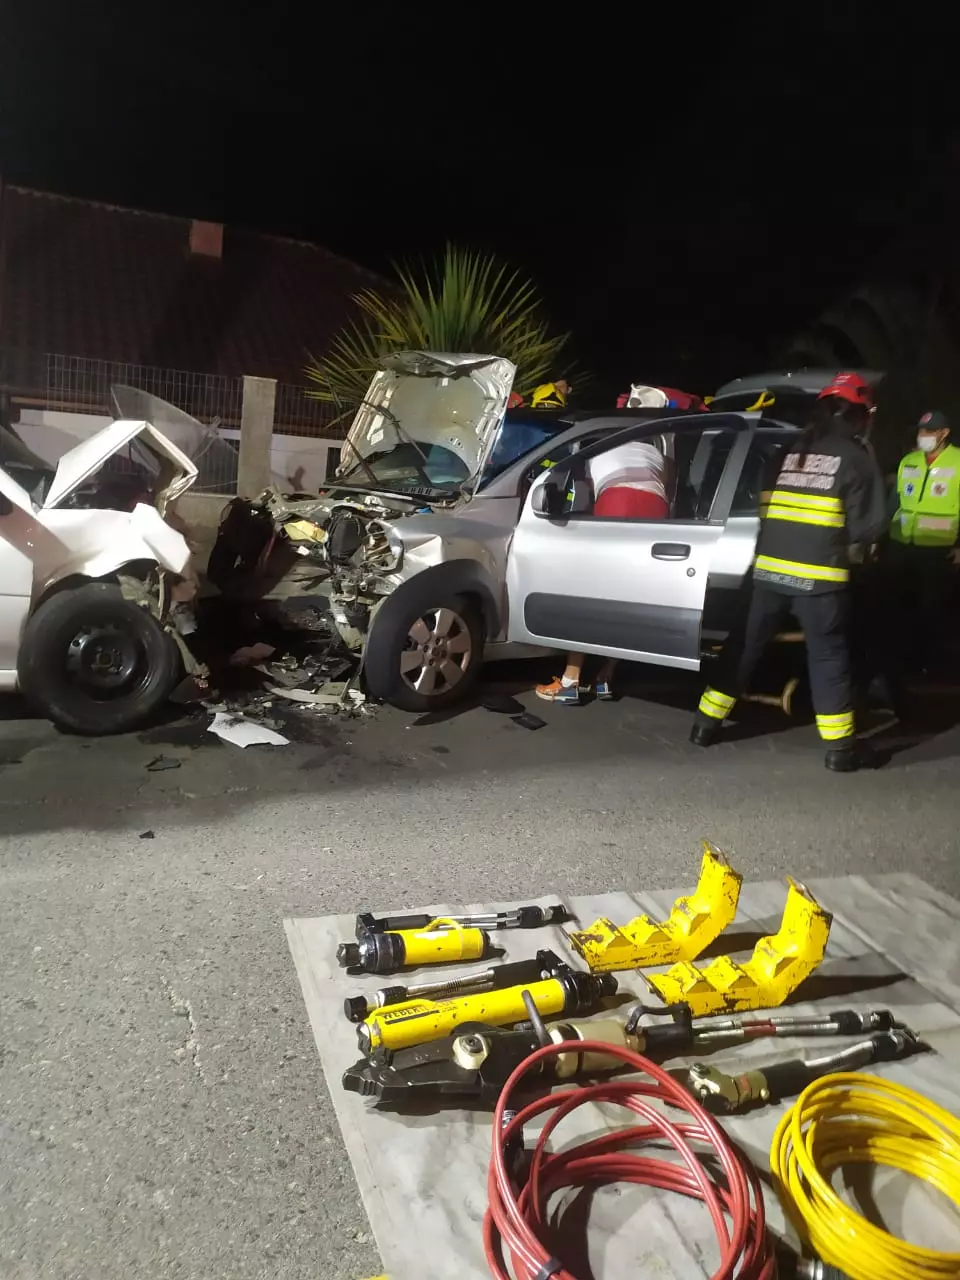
(852, 1118)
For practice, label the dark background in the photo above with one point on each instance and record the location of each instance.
(685, 190)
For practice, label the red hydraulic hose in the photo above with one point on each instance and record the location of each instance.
(515, 1223)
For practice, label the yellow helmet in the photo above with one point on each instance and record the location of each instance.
(548, 396)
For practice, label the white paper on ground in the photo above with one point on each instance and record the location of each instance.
(244, 733)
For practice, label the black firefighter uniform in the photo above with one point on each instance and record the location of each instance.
(823, 502)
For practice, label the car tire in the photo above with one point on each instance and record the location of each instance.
(66, 653)
(408, 624)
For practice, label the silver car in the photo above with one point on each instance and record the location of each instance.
(456, 533)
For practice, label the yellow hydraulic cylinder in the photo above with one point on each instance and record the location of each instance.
(778, 965)
(693, 924)
(443, 941)
(419, 1021)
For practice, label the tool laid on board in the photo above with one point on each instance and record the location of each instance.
(693, 924)
(440, 941)
(531, 917)
(725, 1094)
(778, 965)
(559, 990)
(476, 1060)
(515, 973)
(856, 1119)
(387, 943)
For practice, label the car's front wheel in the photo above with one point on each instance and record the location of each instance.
(95, 662)
(427, 654)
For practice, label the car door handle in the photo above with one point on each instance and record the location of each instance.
(670, 551)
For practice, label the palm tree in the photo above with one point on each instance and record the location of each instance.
(467, 302)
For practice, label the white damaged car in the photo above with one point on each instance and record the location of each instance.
(93, 599)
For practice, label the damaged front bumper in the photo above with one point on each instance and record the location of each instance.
(168, 598)
(340, 555)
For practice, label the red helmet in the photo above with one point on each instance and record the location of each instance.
(849, 386)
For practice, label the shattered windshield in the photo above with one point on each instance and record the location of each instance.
(408, 468)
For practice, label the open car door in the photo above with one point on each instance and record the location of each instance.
(627, 588)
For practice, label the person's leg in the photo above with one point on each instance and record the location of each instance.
(933, 596)
(738, 661)
(825, 619)
(605, 680)
(565, 688)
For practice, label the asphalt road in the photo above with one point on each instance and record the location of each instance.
(162, 1109)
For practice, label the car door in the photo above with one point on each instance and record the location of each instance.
(628, 588)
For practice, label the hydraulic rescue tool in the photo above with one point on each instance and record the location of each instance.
(388, 943)
(559, 990)
(778, 965)
(693, 924)
(440, 941)
(358, 1007)
(725, 1094)
(532, 917)
(476, 1060)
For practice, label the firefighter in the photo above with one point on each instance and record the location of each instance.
(551, 395)
(828, 498)
(923, 541)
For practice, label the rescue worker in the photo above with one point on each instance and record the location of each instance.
(551, 395)
(829, 496)
(923, 541)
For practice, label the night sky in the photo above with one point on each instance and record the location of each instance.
(685, 191)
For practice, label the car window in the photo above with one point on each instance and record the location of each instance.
(759, 472)
(690, 478)
(517, 437)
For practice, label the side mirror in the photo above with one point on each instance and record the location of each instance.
(550, 498)
(6, 506)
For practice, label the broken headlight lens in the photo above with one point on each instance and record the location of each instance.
(395, 543)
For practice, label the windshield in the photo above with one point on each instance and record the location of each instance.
(31, 473)
(409, 468)
(518, 436)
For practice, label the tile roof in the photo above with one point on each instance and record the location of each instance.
(94, 280)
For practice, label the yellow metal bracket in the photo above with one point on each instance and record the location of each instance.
(693, 924)
(778, 965)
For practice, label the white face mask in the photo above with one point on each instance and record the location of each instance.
(927, 443)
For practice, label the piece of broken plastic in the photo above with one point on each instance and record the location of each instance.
(244, 733)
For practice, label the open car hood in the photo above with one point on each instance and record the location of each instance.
(798, 382)
(177, 473)
(449, 405)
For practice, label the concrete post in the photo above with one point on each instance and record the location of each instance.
(256, 433)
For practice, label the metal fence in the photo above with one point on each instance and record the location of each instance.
(81, 384)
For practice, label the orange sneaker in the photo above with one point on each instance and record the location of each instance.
(557, 691)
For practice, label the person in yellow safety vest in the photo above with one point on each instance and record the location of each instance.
(827, 499)
(551, 395)
(923, 544)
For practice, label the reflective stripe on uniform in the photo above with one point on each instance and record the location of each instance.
(806, 508)
(811, 501)
(833, 728)
(716, 705)
(935, 522)
(825, 520)
(792, 569)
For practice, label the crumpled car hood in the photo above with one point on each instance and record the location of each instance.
(84, 459)
(445, 401)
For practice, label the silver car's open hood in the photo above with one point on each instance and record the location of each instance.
(443, 408)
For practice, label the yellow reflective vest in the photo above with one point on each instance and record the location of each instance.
(928, 514)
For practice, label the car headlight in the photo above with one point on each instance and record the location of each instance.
(395, 543)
